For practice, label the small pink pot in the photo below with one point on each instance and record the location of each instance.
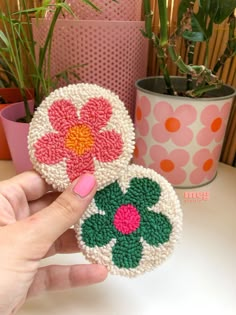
(16, 134)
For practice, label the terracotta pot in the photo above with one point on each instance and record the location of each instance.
(180, 137)
(10, 95)
(16, 135)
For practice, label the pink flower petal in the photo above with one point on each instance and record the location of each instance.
(142, 127)
(183, 136)
(50, 149)
(220, 134)
(159, 133)
(225, 110)
(62, 115)
(158, 153)
(197, 176)
(216, 152)
(201, 156)
(187, 114)
(162, 111)
(179, 156)
(141, 147)
(78, 165)
(96, 113)
(108, 146)
(208, 114)
(175, 177)
(145, 105)
(205, 136)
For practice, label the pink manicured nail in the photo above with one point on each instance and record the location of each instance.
(84, 185)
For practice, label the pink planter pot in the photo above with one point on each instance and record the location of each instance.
(16, 134)
(179, 137)
(121, 10)
(114, 53)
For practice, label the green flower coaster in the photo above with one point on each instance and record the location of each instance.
(132, 225)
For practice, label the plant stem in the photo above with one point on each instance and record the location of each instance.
(163, 22)
(163, 65)
(148, 18)
(177, 59)
(191, 47)
(161, 51)
(197, 92)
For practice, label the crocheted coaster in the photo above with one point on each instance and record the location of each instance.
(132, 225)
(77, 129)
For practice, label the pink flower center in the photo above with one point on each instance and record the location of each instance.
(127, 219)
(79, 139)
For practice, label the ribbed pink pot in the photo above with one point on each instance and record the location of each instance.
(113, 53)
(122, 10)
(16, 134)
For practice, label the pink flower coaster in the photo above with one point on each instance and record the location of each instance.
(81, 128)
(132, 224)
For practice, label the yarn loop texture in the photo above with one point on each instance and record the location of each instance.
(80, 129)
(132, 224)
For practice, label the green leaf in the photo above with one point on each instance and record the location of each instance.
(208, 5)
(4, 38)
(199, 25)
(226, 7)
(194, 36)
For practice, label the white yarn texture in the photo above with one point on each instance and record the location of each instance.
(152, 256)
(79, 95)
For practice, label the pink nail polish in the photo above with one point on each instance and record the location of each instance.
(84, 185)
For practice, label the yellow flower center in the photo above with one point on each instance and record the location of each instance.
(79, 139)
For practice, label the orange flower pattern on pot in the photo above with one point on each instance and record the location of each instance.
(143, 110)
(206, 164)
(173, 124)
(214, 121)
(170, 165)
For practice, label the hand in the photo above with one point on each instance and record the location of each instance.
(34, 224)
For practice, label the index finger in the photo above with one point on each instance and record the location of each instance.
(30, 182)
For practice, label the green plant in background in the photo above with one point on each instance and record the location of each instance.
(193, 27)
(17, 45)
(6, 77)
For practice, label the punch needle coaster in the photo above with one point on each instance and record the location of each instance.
(81, 128)
(132, 225)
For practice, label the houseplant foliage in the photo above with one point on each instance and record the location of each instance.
(17, 47)
(194, 26)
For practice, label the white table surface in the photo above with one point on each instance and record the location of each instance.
(199, 277)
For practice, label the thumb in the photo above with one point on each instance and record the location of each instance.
(65, 211)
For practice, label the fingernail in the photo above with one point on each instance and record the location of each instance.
(84, 185)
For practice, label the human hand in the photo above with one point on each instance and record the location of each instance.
(34, 224)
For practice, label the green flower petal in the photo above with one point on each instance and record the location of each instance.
(110, 198)
(127, 252)
(97, 230)
(143, 193)
(155, 228)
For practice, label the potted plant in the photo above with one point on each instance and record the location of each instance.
(17, 49)
(6, 84)
(180, 121)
